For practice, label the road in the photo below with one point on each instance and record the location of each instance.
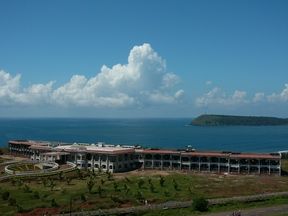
(264, 211)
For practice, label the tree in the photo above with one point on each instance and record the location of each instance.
(83, 198)
(54, 203)
(61, 175)
(141, 183)
(5, 195)
(19, 182)
(162, 181)
(90, 185)
(79, 173)
(44, 181)
(12, 201)
(149, 180)
(200, 204)
(102, 181)
(19, 208)
(175, 185)
(52, 184)
(100, 190)
(13, 181)
(139, 196)
(26, 189)
(152, 188)
(68, 180)
(115, 185)
(36, 195)
(126, 188)
(109, 176)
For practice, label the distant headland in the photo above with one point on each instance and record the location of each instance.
(231, 120)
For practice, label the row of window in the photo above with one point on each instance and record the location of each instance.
(104, 166)
(96, 157)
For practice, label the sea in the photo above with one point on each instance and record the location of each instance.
(174, 133)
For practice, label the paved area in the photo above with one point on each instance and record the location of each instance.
(267, 211)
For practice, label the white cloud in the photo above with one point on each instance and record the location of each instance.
(11, 92)
(144, 79)
(208, 82)
(259, 97)
(280, 97)
(218, 97)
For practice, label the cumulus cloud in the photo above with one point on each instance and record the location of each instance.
(279, 97)
(11, 92)
(259, 97)
(208, 82)
(143, 80)
(218, 97)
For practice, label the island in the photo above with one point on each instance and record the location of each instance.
(231, 120)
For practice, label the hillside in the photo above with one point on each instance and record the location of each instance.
(226, 120)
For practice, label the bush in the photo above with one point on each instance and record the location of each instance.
(20, 209)
(36, 195)
(54, 203)
(200, 204)
(83, 198)
(5, 195)
(26, 189)
(12, 201)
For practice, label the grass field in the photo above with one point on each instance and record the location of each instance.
(123, 190)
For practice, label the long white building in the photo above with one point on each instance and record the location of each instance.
(125, 158)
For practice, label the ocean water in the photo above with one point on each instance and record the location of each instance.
(156, 133)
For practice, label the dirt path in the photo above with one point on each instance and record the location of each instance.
(264, 211)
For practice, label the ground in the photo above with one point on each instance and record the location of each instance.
(55, 194)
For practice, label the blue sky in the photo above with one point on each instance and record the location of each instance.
(186, 58)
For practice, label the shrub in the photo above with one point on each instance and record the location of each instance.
(83, 198)
(200, 204)
(115, 185)
(36, 195)
(26, 189)
(152, 188)
(54, 203)
(12, 201)
(162, 181)
(68, 180)
(19, 209)
(140, 183)
(90, 184)
(5, 195)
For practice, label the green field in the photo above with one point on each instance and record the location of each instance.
(123, 190)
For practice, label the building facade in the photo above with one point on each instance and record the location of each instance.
(125, 158)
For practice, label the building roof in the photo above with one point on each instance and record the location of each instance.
(211, 154)
(95, 149)
(102, 148)
(157, 151)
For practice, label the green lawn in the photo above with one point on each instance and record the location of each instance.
(129, 189)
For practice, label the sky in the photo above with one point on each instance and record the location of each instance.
(73, 58)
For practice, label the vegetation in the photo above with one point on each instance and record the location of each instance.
(227, 120)
(219, 208)
(131, 189)
(200, 204)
